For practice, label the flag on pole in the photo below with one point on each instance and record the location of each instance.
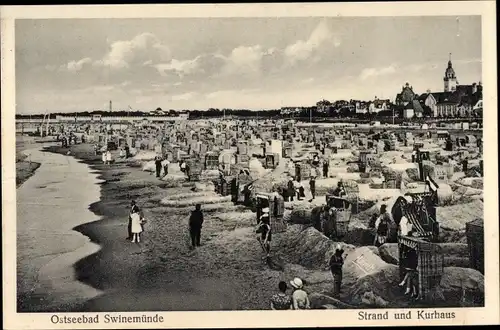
(433, 186)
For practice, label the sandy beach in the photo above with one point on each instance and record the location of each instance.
(162, 272)
(49, 205)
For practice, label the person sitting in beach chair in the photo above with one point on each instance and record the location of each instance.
(315, 161)
(340, 190)
(410, 262)
(182, 166)
(264, 231)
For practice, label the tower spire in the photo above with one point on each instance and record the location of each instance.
(450, 57)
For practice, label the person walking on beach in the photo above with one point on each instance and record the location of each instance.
(158, 165)
(195, 225)
(165, 164)
(300, 299)
(264, 229)
(312, 187)
(281, 300)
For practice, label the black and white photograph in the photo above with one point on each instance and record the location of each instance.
(252, 163)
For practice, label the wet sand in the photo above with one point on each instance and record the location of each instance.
(162, 273)
(49, 205)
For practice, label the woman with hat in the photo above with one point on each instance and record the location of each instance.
(300, 299)
(281, 300)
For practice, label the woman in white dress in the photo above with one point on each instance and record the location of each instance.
(104, 157)
(108, 157)
(136, 227)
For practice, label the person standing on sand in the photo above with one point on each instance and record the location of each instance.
(290, 190)
(336, 264)
(108, 157)
(165, 164)
(136, 227)
(382, 227)
(158, 165)
(195, 225)
(127, 151)
(325, 168)
(312, 187)
(104, 158)
(133, 209)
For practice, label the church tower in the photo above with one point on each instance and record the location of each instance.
(450, 80)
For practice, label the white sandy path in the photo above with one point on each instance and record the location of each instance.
(49, 205)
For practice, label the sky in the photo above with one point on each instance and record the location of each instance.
(65, 65)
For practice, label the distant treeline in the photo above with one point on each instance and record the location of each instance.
(305, 114)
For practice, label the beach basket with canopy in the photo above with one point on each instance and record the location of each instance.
(475, 240)
(225, 184)
(419, 209)
(195, 168)
(211, 160)
(243, 187)
(303, 170)
(337, 222)
(287, 150)
(272, 160)
(242, 147)
(276, 205)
